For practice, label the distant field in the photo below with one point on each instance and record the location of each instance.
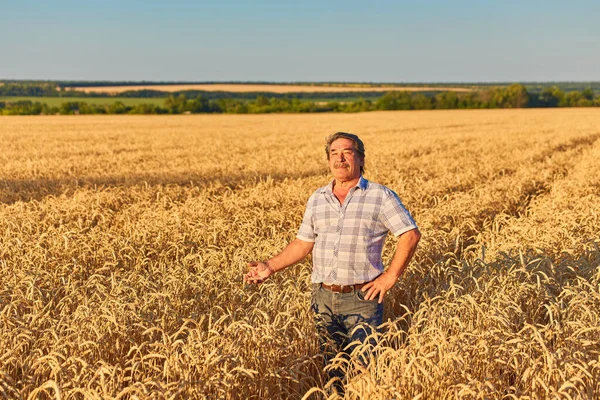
(57, 101)
(159, 101)
(243, 88)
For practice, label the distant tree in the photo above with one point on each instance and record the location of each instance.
(516, 96)
(421, 102)
(513, 96)
(446, 100)
(588, 94)
(118, 108)
(261, 101)
(145, 93)
(551, 97)
(470, 100)
(198, 105)
(400, 100)
(145, 108)
(360, 105)
(47, 110)
(69, 108)
(571, 99)
(176, 105)
(85, 108)
(28, 89)
(231, 106)
(21, 107)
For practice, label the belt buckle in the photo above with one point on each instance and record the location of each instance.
(339, 288)
(343, 288)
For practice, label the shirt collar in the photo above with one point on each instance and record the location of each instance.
(362, 184)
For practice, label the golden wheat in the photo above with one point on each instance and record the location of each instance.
(264, 88)
(123, 240)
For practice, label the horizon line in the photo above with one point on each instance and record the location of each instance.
(264, 82)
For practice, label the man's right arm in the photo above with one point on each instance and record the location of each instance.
(293, 253)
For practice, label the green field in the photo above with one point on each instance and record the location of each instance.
(57, 101)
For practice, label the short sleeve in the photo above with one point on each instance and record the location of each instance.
(307, 231)
(395, 216)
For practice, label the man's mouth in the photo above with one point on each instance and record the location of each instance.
(341, 165)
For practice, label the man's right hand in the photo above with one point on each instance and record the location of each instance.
(259, 271)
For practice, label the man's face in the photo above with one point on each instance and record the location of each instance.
(344, 160)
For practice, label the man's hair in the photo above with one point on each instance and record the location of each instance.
(359, 146)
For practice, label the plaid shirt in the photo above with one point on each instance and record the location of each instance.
(349, 237)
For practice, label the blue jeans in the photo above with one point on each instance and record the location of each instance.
(343, 318)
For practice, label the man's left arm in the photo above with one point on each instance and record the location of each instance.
(407, 244)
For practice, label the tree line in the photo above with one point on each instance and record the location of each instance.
(57, 89)
(512, 96)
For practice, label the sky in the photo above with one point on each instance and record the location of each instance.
(301, 41)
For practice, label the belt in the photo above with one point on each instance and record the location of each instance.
(343, 288)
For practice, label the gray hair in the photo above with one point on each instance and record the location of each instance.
(359, 146)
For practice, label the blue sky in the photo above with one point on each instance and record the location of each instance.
(310, 40)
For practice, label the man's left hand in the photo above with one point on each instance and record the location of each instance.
(379, 286)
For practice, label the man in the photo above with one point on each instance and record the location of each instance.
(344, 226)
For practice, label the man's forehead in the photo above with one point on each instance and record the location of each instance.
(342, 144)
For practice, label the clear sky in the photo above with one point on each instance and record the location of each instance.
(303, 40)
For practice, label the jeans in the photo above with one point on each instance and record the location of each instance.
(341, 319)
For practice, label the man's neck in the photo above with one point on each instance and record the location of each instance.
(345, 185)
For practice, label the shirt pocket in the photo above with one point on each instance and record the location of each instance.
(326, 225)
(369, 228)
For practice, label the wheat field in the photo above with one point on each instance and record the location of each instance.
(268, 88)
(124, 239)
